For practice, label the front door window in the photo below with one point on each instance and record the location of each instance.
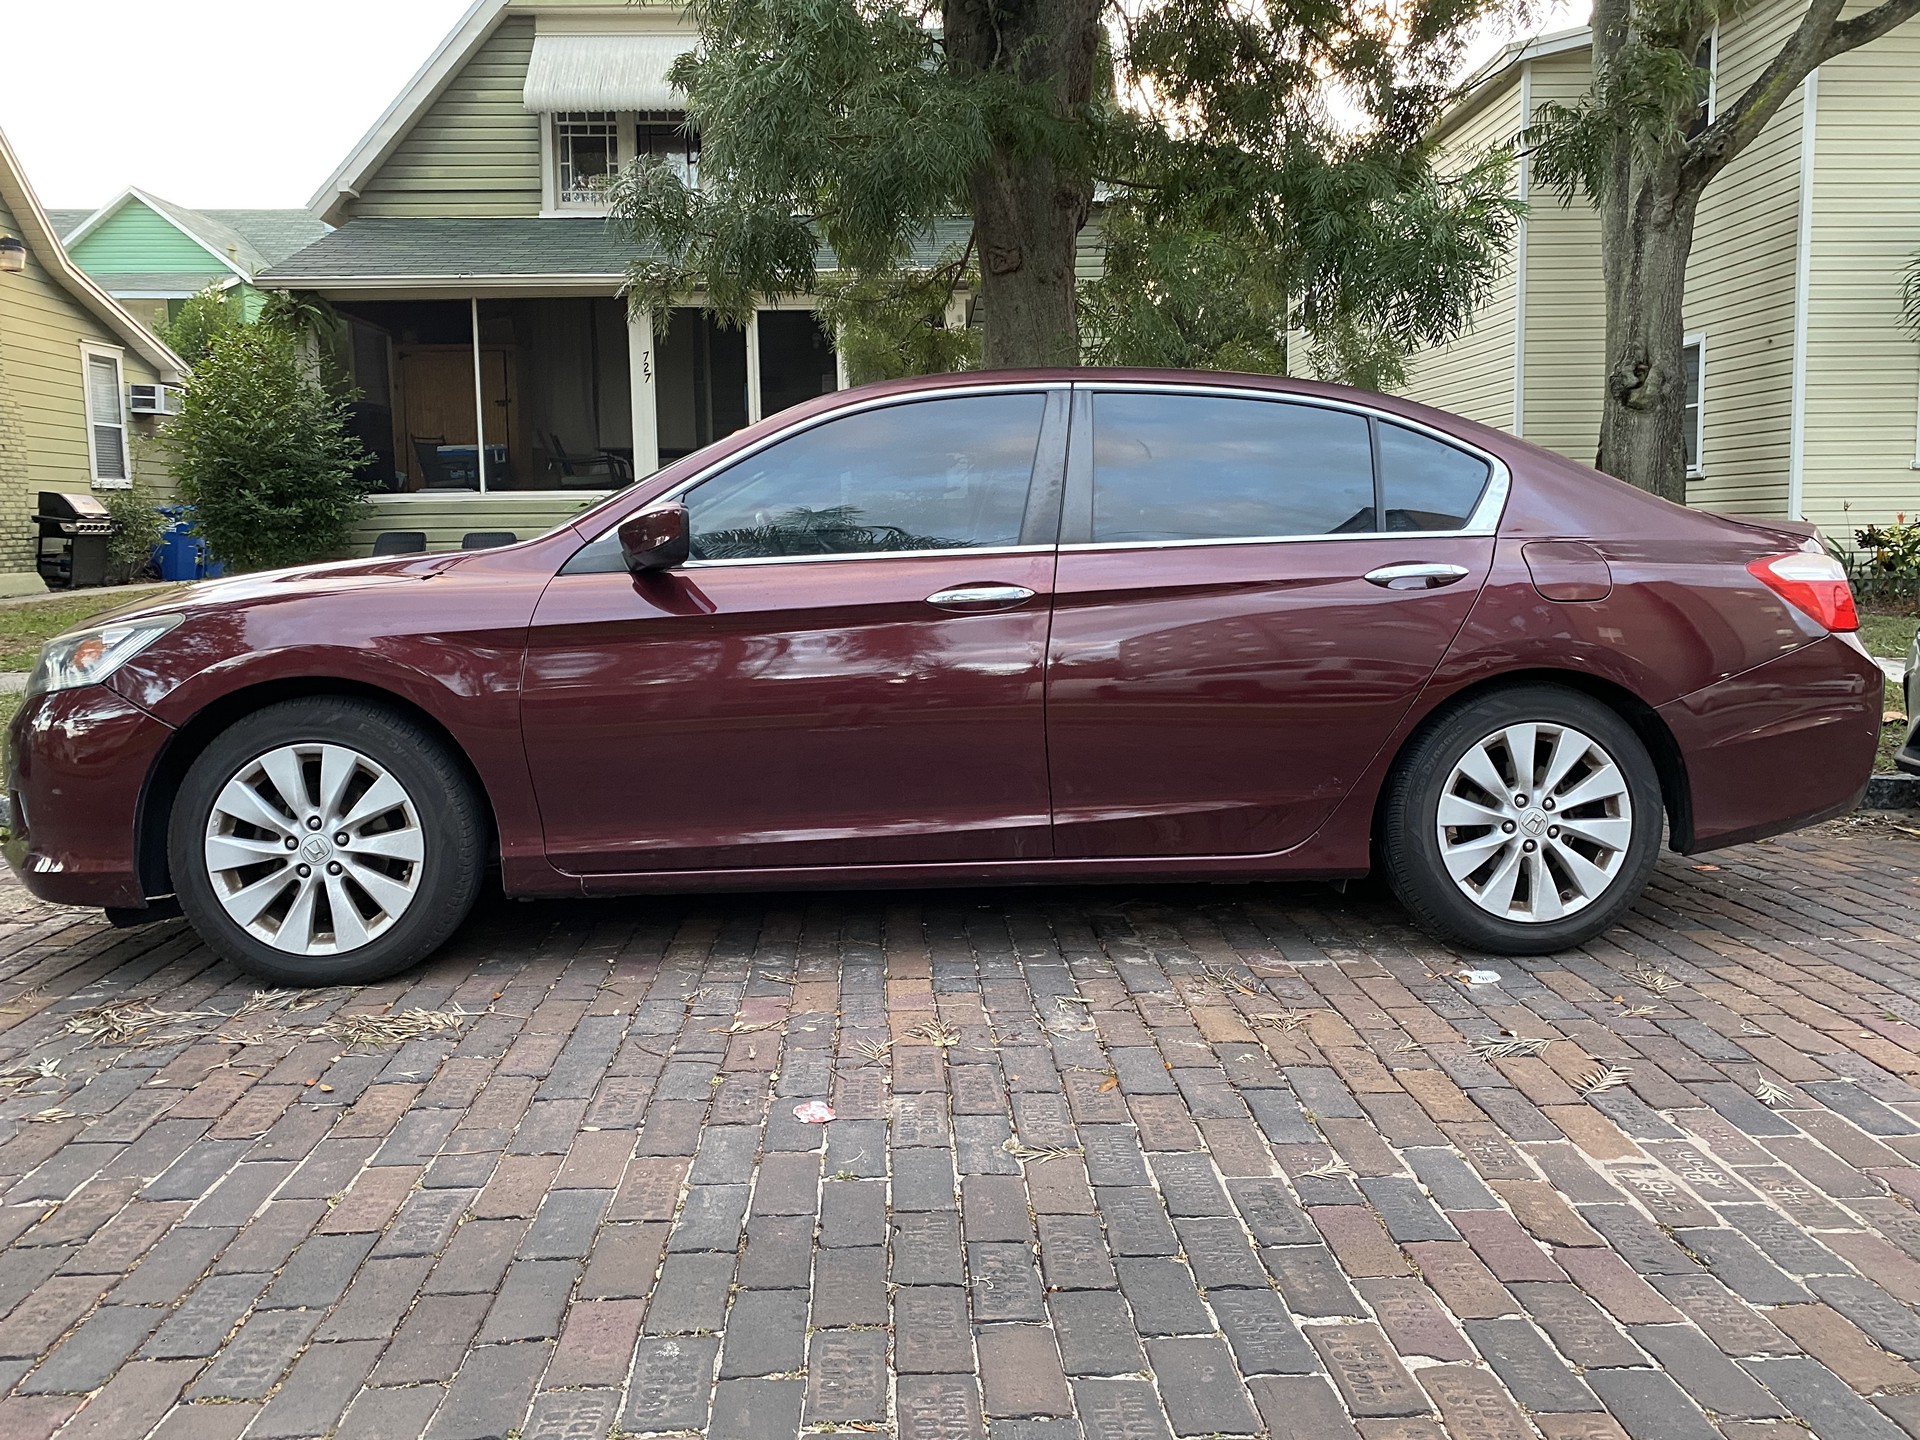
(946, 474)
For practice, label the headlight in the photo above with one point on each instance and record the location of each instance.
(86, 657)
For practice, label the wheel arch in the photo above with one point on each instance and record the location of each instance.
(188, 743)
(1668, 762)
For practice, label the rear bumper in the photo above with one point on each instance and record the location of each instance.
(77, 762)
(1783, 745)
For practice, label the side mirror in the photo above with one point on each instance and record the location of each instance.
(658, 538)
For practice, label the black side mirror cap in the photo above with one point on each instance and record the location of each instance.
(658, 538)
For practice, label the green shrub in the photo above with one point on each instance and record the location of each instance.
(137, 528)
(1887, 564)
(201, 319)
(263, 454)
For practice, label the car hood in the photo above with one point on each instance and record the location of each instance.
(298, 581)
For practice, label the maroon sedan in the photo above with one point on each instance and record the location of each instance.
(980, 628)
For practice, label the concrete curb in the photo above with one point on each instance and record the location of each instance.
(1892, 792)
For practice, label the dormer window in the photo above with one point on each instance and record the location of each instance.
(663, 135)
(590, 147)
(586, 157)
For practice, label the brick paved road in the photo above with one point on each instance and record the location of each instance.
(1116, 1163)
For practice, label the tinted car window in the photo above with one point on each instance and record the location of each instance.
(1203, 467)
(1426, 484)
(931, 475)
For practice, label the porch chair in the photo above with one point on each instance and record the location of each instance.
(574, 469)
(400, 542)
(439, 473)
(487, 539)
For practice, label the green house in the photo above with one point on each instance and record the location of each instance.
(151, 255)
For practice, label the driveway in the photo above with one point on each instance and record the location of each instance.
(1117, 1163)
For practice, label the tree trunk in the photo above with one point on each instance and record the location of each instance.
(1646, 233)
(1029, 205)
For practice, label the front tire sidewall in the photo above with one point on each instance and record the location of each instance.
(442, 798)
(1410, 842)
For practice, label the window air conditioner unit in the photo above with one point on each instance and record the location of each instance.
(154, 399)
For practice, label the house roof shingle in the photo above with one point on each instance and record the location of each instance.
(432, 251)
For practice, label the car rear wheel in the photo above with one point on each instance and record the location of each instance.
(326, 841)
(1524, 822)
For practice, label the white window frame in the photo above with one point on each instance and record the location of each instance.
(1697, 342)
(1713, 74)
(626, 131)
(114, 355)
(550, 206)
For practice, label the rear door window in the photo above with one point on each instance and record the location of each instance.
(943, 474)
(1169, 467)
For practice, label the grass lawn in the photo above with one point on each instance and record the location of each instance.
(23, 628)
(1888, 636)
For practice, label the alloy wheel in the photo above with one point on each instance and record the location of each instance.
(314, 849)
(1534, 822)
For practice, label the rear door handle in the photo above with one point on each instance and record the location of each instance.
(968, 598)
(1416, 576)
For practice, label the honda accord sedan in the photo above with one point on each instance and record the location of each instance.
(989, 628)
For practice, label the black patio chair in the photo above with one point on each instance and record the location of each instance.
(487, 539)
(400, 542)
(617, 470)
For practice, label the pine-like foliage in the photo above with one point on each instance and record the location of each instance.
(1267, 169)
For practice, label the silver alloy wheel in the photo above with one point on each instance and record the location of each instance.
(314, 848)
(1534, 822)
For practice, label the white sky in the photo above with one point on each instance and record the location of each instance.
(208, 103)
(228, 103)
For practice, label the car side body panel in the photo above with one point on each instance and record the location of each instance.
(446, 634)
(1747, 685)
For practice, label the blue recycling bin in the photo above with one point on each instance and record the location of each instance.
(182, 555)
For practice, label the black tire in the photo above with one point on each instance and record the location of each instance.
(452, 826)
(1410, 845)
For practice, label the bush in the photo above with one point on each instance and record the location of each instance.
(263, 454)
(1887, 564)
(137, 528)
(202, 319)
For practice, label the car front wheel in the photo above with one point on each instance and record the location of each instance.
(326, 841)
(1524, 822)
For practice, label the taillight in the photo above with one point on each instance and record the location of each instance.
(1814, 583)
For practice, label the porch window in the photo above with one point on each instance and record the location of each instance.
(106, 400)
(586, 156)
(546, 382)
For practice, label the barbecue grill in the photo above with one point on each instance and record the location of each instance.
(74, 530)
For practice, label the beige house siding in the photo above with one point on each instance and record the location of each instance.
(1862, 369)
(445, 519)
(1473, 375)
(43, 422)
(1565, 298)
(476, 149)
(1740, 287)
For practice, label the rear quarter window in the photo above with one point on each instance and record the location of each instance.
(1427, 484)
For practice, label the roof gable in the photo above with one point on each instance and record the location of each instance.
(38, 232)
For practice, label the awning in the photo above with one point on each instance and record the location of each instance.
(604, 72)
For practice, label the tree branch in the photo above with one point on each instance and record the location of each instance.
(1715, 147)
(1858, 31)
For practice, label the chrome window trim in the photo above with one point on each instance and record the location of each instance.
(866, 555)
(1484, 521)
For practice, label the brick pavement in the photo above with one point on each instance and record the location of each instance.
(1113, 1163)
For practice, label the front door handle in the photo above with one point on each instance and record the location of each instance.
(1416, 576)
(971, 598)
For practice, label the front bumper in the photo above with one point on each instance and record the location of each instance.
(77, 763)
(1781, 746)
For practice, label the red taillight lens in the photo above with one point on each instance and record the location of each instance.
(1814, 583)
